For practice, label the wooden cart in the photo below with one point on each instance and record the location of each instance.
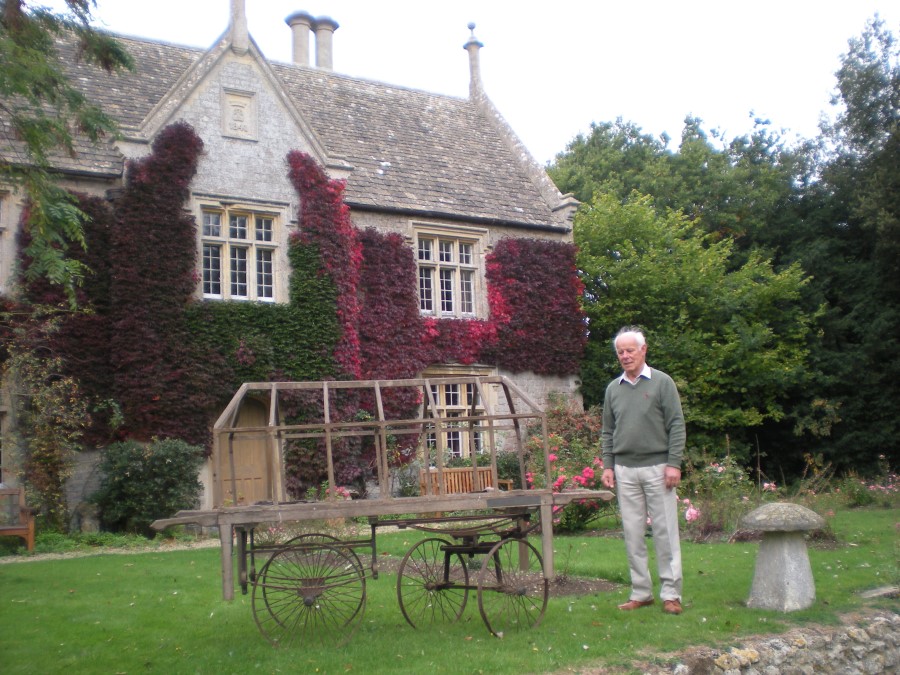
(313, 587)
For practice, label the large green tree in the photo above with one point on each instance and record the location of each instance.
(733, 335)
(852, 247)
(44, 115)
(748, 188)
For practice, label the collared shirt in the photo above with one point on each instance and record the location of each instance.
(645, 372)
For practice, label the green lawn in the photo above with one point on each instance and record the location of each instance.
(162, 612)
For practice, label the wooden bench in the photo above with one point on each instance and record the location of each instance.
(459, 480)
(16, 519)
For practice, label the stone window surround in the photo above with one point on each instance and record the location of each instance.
(453, 402)
(271, 243)
(429, 271)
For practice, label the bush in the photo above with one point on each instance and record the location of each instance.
(141, 483)
(573, 437)
(715, 494)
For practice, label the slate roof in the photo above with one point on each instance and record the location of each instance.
(411, 151)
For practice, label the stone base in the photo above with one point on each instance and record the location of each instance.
(783, 578)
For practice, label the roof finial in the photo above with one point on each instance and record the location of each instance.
(473, 46)
(240, 35)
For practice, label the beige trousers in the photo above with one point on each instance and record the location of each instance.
(642, 493)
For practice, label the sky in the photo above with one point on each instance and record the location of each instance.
(554, 68)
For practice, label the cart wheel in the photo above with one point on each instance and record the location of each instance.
(432, 584)
(310, 592)
(512, 589)
(308, 538)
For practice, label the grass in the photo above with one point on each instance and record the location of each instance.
(162, 612)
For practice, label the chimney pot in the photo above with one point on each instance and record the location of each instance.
(300, 23)
(324, 27)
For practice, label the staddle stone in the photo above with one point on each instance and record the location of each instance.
(783, 578)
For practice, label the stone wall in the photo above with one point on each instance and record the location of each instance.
(861, 646)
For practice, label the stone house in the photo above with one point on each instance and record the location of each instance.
(447, 174)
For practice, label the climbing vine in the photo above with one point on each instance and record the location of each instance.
(151, 361)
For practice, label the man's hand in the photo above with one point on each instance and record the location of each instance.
(673, 477)
(608, 478)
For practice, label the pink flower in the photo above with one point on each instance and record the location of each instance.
(691, 514)
(552, 457)
(579, 479)
(587, 472)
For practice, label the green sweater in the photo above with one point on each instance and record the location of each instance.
(643, 424)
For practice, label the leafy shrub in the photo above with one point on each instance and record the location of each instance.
(141, 483)
(573, 436)
(716, 493)
(508, 468)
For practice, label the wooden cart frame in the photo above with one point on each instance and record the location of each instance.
(501, 419)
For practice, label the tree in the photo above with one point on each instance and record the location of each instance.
(853, 251)
(733, 337)
(748, 188)
(45, 115)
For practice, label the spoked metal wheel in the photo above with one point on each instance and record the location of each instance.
(300, 539)
(432, 584)
(310, 592)
(512, 589)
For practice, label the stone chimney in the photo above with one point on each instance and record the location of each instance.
(324, 27)
(240, 35)
(473, 46)
(300, 23)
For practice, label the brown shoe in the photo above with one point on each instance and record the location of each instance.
(635, 604)
(672, 606)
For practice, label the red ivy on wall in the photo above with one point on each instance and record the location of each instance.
(534, 291)
(325, 222)
(535, 320)
(147, 346)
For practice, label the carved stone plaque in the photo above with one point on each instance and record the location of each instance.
(239, 115)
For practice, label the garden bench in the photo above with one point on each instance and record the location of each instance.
(460, 480)
(16, 519)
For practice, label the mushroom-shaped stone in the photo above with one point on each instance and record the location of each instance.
(783, 578)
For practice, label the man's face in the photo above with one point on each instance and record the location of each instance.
(631, 356)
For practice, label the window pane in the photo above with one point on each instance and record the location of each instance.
(212, 224)
(425, 249)
(454, 440)
(212, 270)
(451, 394)
(446, 291)
(426, 289)
(446, 251)
(238, 272)
(264, 276)
(263, 229)
(465, 254)
(467, 292)
(238, 227)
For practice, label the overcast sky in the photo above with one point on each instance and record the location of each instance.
(552, 68)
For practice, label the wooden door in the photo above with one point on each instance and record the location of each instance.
(252, 469)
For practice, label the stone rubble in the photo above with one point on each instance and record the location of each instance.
(869, 647)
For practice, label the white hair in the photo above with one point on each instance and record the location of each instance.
(632, 332)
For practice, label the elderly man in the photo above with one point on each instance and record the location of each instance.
(643, 442)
